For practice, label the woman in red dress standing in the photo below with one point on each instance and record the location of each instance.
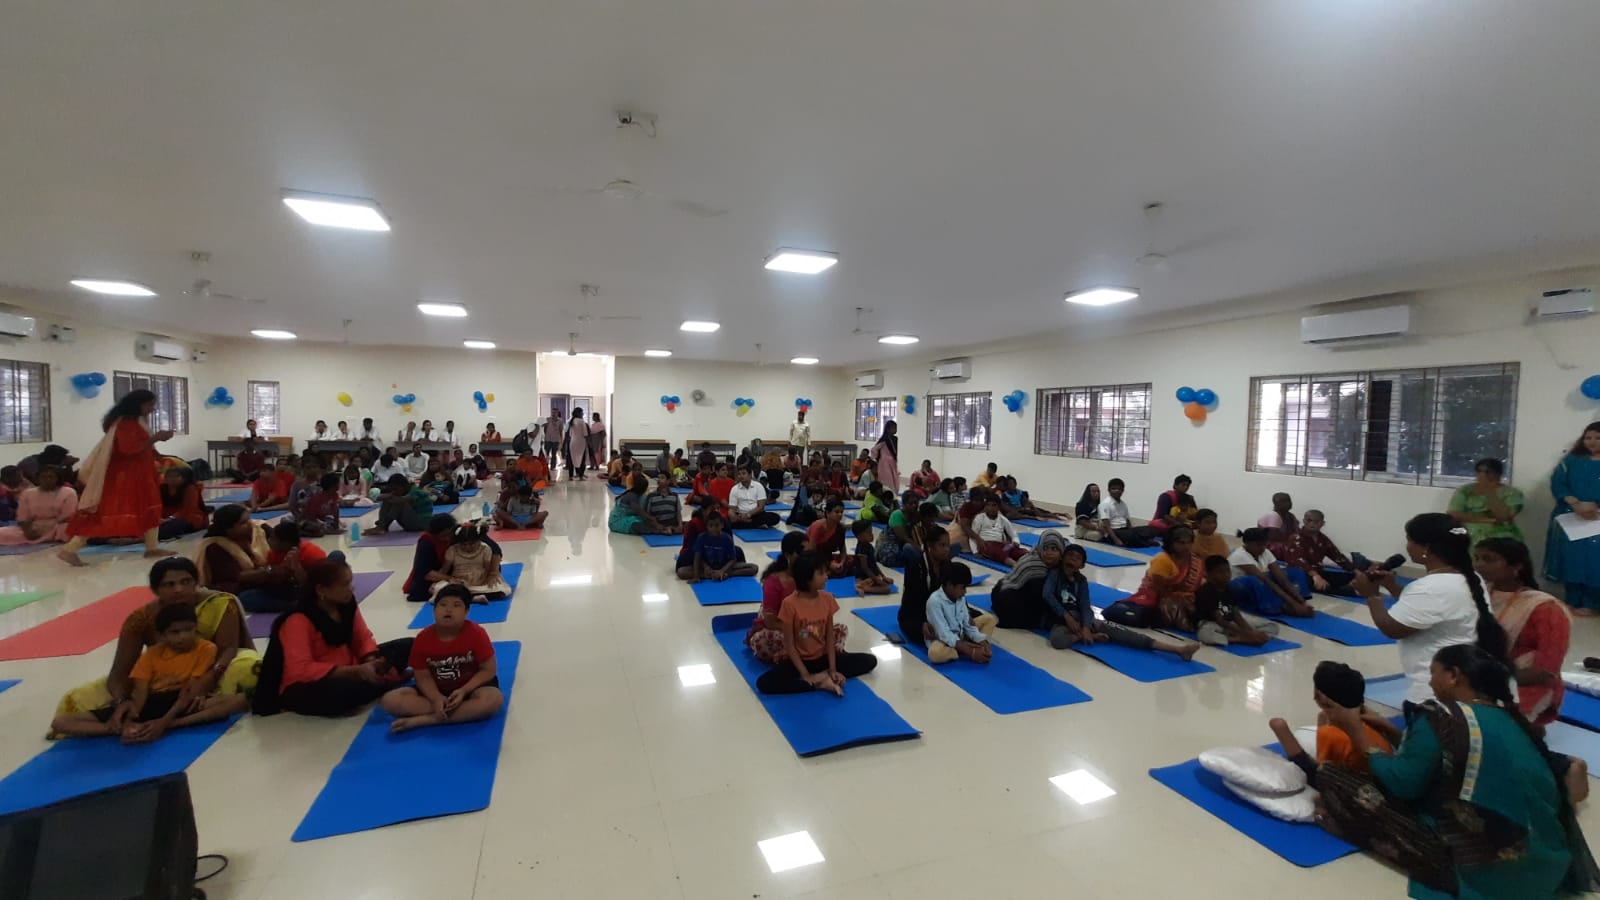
(122, 493)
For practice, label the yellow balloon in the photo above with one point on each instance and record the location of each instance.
(405, 407)
(488, 398)
(344, 399)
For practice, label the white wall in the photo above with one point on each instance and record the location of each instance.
(1477, 324)
(579, 376)
(640, 384)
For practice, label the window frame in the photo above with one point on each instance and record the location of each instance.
(172, 397)
(1393, 420)
(275, 418)
(875, 407)
(938, 415)
(1054, 423)
(28, 408)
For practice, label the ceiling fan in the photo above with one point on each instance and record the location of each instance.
(632, 129)
(201, 287)
(572, 346)
(590, 292)
(858, 330)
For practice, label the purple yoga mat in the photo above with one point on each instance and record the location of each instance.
(362, 583)
(388, 539)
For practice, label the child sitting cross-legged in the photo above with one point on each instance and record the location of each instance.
(869, 577)
(1262, 585)
(951, 631)
(472, 563)
(811, 660)
(453, 661)
(1335, 684)
(519, 508)
(174, 685)
(714, 556)
(1216, 619)
(1071, 618)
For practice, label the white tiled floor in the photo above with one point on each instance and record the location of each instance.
(617, 781)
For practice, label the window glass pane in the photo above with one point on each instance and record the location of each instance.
(24, 402)
(1102, 422)
(262, 405)
(172, 398)
(959, 420)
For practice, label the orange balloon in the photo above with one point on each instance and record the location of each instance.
(1194, 411)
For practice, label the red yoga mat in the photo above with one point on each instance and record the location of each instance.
(502, 535)
(77, 632)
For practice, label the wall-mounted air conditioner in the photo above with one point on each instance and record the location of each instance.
(1571, 303)
(1360, 325)
(870, 381)
(148, 347)
(951, 369)
(15, 326)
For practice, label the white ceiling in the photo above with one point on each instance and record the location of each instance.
(969, 161)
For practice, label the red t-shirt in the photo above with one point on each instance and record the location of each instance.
(309, 553)
(323, 505)
(720, 488)
(275, 484)
(451, 663)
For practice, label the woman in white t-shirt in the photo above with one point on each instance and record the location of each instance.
(1261, 585)
(1447, 606)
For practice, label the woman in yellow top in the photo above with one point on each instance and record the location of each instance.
(221, 621)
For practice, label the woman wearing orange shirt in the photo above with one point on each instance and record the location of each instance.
(121, 497)
(1168, 587)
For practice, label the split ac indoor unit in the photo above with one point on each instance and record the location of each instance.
(155, 348)
(951, 369)
(1359, 325)
(1571, 303)
(13, 325)
(869, 380)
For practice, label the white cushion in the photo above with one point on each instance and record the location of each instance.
(1297, 807)
(1256, 768)
(1583, 682)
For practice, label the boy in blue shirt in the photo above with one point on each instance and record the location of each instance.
(714, 556)
(952, 632)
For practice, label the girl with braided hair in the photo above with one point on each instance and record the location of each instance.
(1449, 605)
(1468, 805)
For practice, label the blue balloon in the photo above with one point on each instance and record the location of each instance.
(1205, 397)
(483, 406)
(399, 399)
(477, 396)
(665, 399)
(411, 398)
(675, 399)
(227, 401)
(1186, 394)
(86, 380)
(90, 392)
(99, 378)
(1591, 387)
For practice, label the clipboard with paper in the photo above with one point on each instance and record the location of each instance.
(1578, 528)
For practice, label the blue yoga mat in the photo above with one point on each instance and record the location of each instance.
(1040, 523)
(7, 684)
(972, 560)
(780, 507)
(445, 508)
(1574, 741)
(1302, 843)
(1006, 684)
(721, 593)
(1580, 709)
(662, 540)
(264, 514)
(1333, 628)
(1140, 665)
(1273, 645)
(379, 783)
(846, 587)
(470, 492)
(225, 499)
(759, 535)
(74, 766)
(482, 613)
(1389, 690)
(1092, 554)
(817, 722)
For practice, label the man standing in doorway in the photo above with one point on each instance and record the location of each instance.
(552, 439)
(800, 435)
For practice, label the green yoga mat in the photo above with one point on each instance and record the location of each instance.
(8, 602)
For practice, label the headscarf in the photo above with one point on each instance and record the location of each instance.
(1031, 571)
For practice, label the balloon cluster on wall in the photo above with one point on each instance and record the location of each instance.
(483, 400)
(742, 405)
(670, 401)
(88, 384)
(909, 405)
(1197, 402)
(219, 397)
(802, 403)
(404, 401)
(1014, 400)
(1590, 387)
(344, 398)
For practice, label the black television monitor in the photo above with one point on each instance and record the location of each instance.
(132, 842)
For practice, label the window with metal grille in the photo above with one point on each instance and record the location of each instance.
(263, 406)
(172, 398)
(959, 420)
(1410, 426)
(872, 413)
(1100, 422)
(24, 402)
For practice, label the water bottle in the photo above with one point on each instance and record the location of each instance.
(355, 532)
(485, 509)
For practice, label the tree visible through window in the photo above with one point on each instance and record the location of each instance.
(24, 402)
(262, 405)
(959, 420)
(172, 398)
(1102, 422)
(871, 413)
(1415, 426)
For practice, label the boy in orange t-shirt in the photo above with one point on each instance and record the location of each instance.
(1336, 684)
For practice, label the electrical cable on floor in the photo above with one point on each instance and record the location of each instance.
(209, 875)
